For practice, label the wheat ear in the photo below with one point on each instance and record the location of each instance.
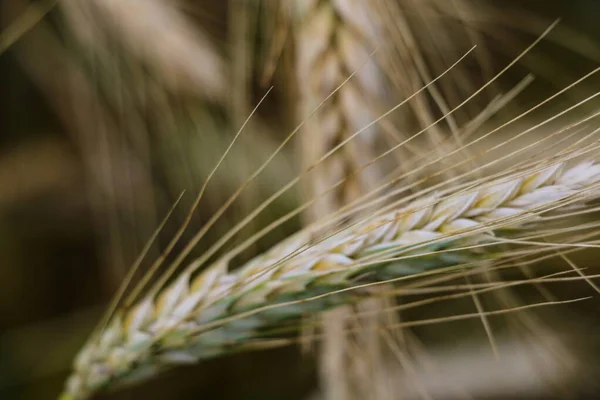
(213, 312)
(333, 40)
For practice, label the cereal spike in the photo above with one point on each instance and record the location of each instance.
(233, 307)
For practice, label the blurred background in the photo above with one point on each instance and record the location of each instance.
(111, 109)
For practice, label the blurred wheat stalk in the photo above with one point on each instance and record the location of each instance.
(334, 41)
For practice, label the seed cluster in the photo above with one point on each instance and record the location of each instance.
(178, 326)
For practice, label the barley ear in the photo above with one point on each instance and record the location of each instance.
(199, 316)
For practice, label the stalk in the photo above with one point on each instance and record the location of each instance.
(334, 39)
